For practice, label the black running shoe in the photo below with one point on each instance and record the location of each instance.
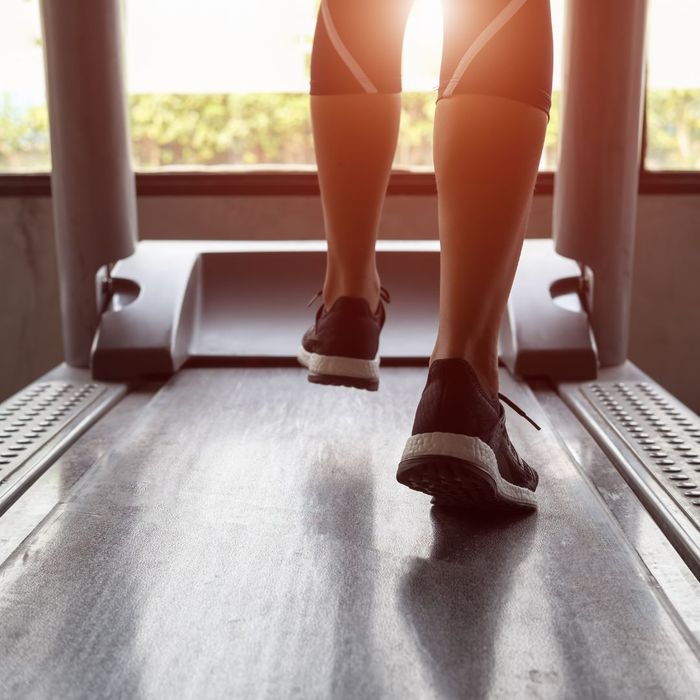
(341, 348)
(459, 451)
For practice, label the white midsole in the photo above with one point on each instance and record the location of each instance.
(340, 366)
(472, 450)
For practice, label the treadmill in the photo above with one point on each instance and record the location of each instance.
(183, 515)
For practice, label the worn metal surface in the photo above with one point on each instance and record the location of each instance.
(38, 423)
(654, 441)
(665, 436)
(248, 539)
(55, 484)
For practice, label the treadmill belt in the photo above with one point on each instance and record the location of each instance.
(249, 539)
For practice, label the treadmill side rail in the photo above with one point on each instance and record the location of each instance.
(43, 420)
(654, 442)
(149, 333)
(546, 330)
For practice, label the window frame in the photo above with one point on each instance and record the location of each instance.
(304, 183)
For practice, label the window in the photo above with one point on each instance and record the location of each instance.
(673, 88)
(220, 87)
(225, 85)
(229, 87)
(24, 137)
(222, 84)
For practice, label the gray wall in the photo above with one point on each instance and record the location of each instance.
(665, 333)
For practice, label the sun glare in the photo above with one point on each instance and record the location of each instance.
(249, 61)
(423, 46)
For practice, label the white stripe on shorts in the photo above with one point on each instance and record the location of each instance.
(499, 21)
(343, 52)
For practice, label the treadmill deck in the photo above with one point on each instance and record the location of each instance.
(244, 536)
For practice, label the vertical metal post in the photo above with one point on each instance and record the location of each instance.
(597, 182)
(93, 190)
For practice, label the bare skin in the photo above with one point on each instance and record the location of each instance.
(486, 152)
(355, 139)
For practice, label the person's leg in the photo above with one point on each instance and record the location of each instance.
(490, 124)
(489, 130)
(355, 110)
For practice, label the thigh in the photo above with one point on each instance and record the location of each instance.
(357, 46)
(498, 47)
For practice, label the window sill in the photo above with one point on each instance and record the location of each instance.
(303, 182)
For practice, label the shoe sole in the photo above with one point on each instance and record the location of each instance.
(340, 371)
(459, 470)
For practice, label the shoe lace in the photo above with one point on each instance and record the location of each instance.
(517, 409)
(383, 295)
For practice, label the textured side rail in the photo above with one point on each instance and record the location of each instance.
(41, 422)
(654, 441)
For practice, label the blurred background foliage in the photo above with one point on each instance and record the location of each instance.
(268, 129)
(673, 130)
